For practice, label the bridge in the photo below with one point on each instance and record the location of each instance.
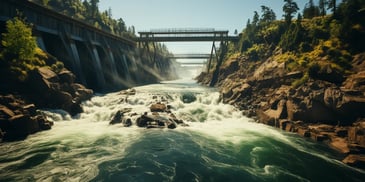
(190, 35)
(190, 56)
(185, 35)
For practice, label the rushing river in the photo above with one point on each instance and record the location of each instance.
(220, 144)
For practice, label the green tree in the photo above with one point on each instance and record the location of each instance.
(290, 8)
(94, 8)
(310, 10)
(293, 36)
(332, 6)
(18, 40)
(19, 48)
(322, 7)
(268, 15)
(256, 18)
(121, 25)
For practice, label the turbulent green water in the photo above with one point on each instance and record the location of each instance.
(219, 145)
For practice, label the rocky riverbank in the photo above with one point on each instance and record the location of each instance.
(44, 88)
(328, 108)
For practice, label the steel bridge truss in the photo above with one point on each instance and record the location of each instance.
(189, 35)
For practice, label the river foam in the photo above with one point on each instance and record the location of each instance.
(220, 144)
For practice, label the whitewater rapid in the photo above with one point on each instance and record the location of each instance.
(220, 144)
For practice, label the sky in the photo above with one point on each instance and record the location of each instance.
(229, 15)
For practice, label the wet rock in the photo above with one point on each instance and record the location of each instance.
(356, 148)
(30, 109)
(171, 124)
(355, 160)
(341, 132)
(66, 76)
(272, 116)
(302, 131)
(18, 119)
(82, 93)
(355, 81)
(5, 112)
(356, 133)
(188, 97)
(284, 123)
(158, 107)
(159, 117)
(119, 117)
(340, 144)
(142, 121)
(319, 137)
(47, 74)
(290, 127)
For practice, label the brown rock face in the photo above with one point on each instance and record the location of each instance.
(158, 107)
(355, 160)
(356, 134)
(19, 119)
(355, 81)
(48, 89)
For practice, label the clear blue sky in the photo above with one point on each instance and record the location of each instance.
(218, 14)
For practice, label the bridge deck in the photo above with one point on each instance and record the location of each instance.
(190, 56)
(185, 35)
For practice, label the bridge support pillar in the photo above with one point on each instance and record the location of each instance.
(220, 58)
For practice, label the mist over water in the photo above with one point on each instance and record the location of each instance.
(220, 144)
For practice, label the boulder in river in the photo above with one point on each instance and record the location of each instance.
(158, 107)
(188, 97)
(159, 116)
(355, 160)
(120, 117)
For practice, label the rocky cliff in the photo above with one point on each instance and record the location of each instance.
(328, 107)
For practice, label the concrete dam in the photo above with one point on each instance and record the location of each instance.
(99, 59)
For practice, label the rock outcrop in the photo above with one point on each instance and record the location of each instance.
(327, 107)
(42, 89)
(50, 90)
(18, 119)
(158, 116)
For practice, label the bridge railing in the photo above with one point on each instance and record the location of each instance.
(184, 31)
(185, 34)
(190, 56)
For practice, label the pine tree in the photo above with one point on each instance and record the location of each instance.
(311, 10)
(290, 8)
(322, 7)
(333, 6)
(255, 19)
(94, 8)
(268, 14)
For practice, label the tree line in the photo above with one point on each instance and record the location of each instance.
(325, 34)
(89, 12)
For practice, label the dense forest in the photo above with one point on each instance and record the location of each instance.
(322, 35)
